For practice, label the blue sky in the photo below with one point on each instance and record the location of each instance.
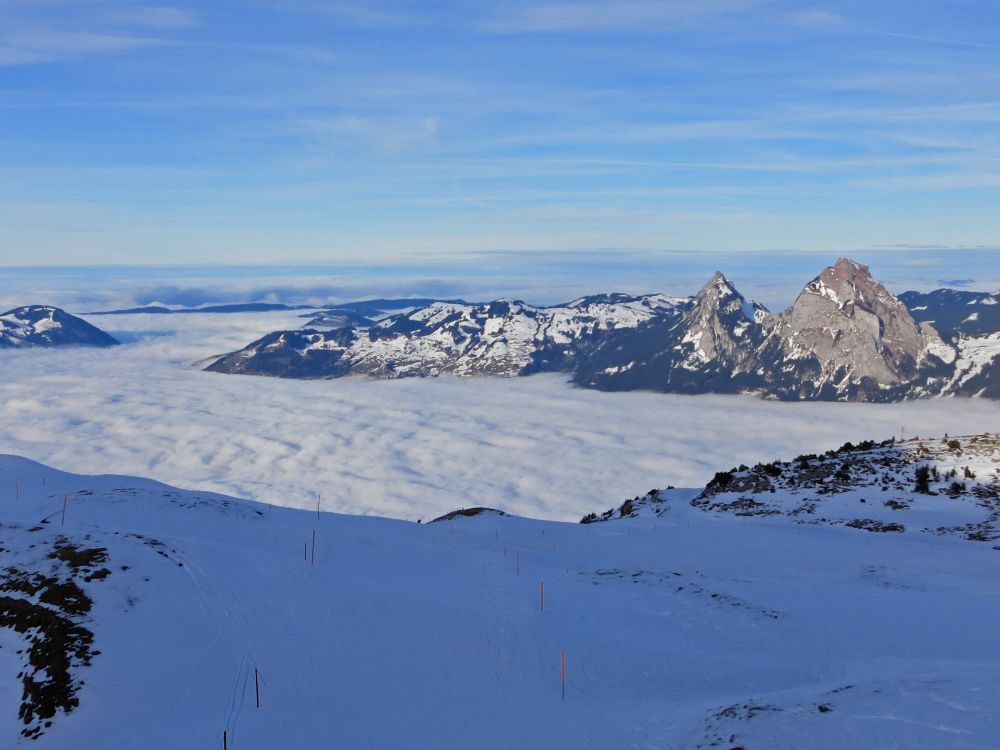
(387, 132)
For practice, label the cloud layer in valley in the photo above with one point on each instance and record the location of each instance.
(411, 449)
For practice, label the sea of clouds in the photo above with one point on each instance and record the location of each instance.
(411, 448)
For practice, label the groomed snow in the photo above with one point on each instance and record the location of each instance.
(692, 630)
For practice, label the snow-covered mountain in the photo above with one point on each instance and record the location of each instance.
(761, 611)
(846, 337)
(954, 312)
(709, 346)
(504, 337)
(43, 325)
(970, 323)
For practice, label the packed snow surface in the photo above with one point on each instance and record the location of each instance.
(688, 629)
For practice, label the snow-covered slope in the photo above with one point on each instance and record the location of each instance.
(686, 627)
(43, 325)
(504, 337)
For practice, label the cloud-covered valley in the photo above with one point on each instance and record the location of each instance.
(412, 448)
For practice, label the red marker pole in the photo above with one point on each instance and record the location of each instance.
(541, 596)
(562, 658)
(312, 562)
(225, 740)
(17, 488)
(256, 685)
(65, 500)
(517, 563)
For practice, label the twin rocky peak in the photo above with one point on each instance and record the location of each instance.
(846, 337)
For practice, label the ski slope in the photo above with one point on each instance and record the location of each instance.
(689, 629)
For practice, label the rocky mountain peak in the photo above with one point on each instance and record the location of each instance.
(718, 322)
(855, 329)
(718, 287)
(848, 282)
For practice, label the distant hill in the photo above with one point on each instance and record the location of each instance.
(242, 307)
(47, 326)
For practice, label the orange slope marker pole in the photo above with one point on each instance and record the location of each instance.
(65, 500)
(562, 659)
(312, 562)
(256, 685)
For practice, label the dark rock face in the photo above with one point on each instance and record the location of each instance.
(709, 346)
(846, 338)
(42, 325)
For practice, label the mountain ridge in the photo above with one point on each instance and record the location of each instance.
(845, 337)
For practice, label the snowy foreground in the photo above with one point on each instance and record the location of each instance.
(686, 627)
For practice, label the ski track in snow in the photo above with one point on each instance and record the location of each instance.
(410, 449)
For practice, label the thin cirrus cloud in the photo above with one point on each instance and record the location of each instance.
(155, 17)
(410, 449)
(622, 15)
(34, 46)
(334, 131)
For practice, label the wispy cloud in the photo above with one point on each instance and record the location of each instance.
(48, 45)
(930, 39)
(818, 18)
(155, 17)
(368, 15)
(618, 15)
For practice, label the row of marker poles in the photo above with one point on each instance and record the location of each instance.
(541, 608)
